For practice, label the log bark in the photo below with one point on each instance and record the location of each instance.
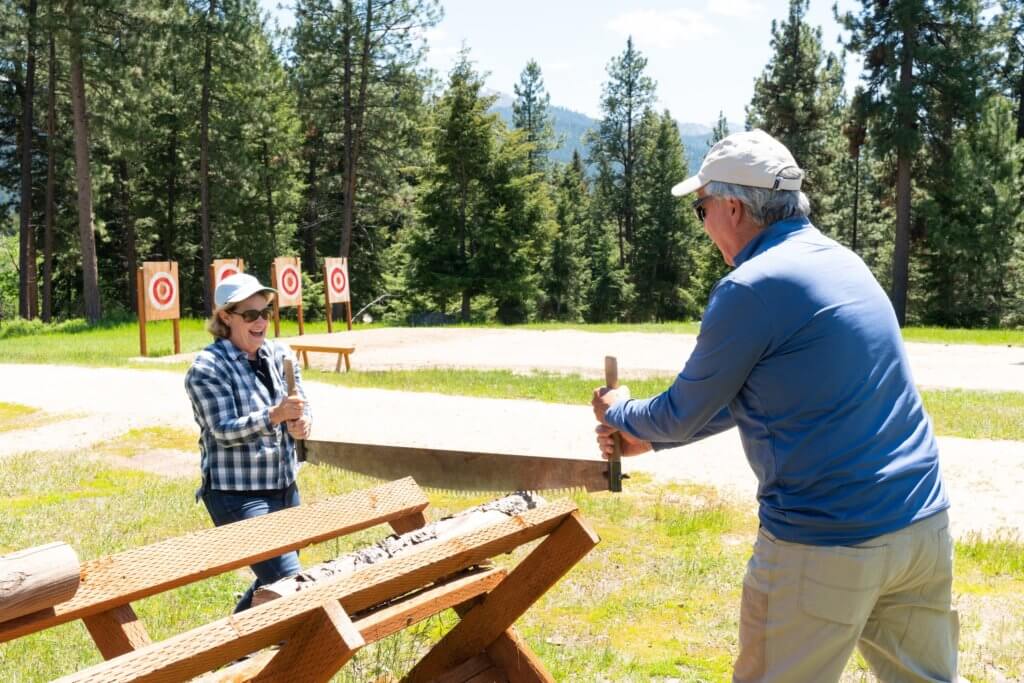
(37, 578)
(397, 544)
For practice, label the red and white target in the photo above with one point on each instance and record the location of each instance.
(337, 280)
(227, 270)
(159, 295)
(289, 281)
(163, 292)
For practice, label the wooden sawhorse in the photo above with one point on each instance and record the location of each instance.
(322, 627)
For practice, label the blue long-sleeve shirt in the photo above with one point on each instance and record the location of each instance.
(800, 349)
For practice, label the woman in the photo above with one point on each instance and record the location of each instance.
(248, 424)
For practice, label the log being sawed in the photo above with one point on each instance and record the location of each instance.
(464, 522)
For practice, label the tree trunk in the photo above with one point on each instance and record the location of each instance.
(131, 259)
(310, 229)
(27, 307)
(1020, 106)
(90, 272)
(269, 190)
(170, 231)
(51, 184)
(204, 160)
(904, 154)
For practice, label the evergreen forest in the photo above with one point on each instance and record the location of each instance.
(190, 130)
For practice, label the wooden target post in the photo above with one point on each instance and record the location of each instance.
(220, 269)
(286, 276)
(157, 286)
(336, 289)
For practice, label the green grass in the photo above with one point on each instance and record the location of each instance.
(117, 344)
(955, 412)
(113, 345)
(16, 416)
(657, 598)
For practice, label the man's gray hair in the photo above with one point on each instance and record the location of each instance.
(765, 206)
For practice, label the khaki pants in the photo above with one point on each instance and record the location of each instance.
(805, 608)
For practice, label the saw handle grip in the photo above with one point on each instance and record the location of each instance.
(611, 380)
(289, 378)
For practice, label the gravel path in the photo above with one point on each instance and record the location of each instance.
(984, 477)
(640, 354)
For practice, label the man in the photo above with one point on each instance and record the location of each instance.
(800, 349)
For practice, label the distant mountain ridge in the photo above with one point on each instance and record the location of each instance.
(571, 127)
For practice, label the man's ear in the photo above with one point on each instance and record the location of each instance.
(735, 210)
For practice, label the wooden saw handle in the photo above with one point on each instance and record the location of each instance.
(289, 377)
(611, 380)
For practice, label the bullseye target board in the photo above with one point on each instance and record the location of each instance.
(336, 289)
(336, 277)
(158, 298)
(286, 275)
(222, 268)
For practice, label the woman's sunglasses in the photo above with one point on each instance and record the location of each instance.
(251, 314)
(698, 207)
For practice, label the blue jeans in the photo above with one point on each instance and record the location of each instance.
(226, 507)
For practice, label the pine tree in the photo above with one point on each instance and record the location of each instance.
(443, 252)
(667, 229)
(567, 277)
(530, 114)
(970, 247)
(798, 99)
(918, 68)
(614, 144)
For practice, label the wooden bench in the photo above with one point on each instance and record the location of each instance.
(338, 342)
(323, 626)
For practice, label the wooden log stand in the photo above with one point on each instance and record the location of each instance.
(321, 627)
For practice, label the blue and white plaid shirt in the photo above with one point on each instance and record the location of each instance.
(241, 450)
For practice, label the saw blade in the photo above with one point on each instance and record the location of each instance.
(461, 470)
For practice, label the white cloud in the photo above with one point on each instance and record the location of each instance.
(662, 28)
(741, 9)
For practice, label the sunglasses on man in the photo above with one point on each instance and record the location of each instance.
(698, 207)
(251, 314)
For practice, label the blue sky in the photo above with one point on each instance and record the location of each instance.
(703, 54)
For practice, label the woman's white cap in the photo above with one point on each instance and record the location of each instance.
(752, 158)
(238, 287)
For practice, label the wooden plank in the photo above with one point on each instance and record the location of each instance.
(202, 649)
(36, 578)
(511, 654)
(410, 523)
(119, 579)
(492, 675)
(531, 578)
(383, 622)
(467, 669)
(117, 631)
(324, 642)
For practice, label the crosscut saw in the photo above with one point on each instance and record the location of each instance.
(469, 470)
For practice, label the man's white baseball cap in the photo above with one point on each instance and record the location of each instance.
(238, 287)
(752, 158)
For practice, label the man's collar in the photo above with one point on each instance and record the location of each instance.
(770, 233)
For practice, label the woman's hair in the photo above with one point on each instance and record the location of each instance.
(765, 206)
(217, 327)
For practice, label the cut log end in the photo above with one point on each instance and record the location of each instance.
(36, 578)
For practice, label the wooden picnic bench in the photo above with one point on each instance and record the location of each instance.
(337, 342)
(323, 626)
